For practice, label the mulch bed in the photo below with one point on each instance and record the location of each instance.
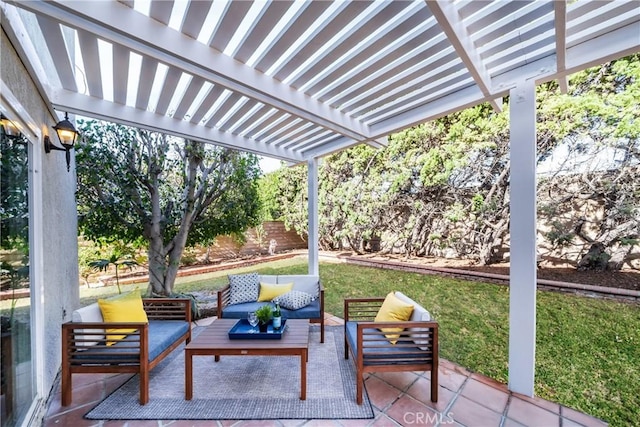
(624, 279)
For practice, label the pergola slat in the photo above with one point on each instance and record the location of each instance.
(195, 85)
(232, 17)
(91, 61)
(147, 74)
(52, 34)
(300, 75)
(262, 28)
(194, 18)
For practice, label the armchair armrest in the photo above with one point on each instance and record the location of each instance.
(224, 296)
(167, 308)
(321, 295)
(370, 335)
(361, 309)
(132, 351)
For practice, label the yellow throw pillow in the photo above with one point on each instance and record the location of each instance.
(122, 308)
(269, 291)
(393, 309)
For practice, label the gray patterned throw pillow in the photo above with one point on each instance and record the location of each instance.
(294, 300)
(243, 288)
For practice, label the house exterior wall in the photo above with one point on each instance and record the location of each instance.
(55, 294)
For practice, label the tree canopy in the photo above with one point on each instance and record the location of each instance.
(135, 184)
(442, 188)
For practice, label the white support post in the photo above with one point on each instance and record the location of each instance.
(312, 197)
(522, 280)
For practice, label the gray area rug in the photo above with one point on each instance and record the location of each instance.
(246, 387)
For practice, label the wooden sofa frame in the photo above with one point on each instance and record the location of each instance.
(132, 357)
(374, 353)
(224, 297)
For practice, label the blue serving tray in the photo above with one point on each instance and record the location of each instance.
(242, 330)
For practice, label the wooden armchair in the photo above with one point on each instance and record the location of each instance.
(86, 348)
(415, 350)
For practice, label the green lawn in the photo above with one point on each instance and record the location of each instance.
(588, 350)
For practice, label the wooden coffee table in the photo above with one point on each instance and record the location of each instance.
(214, 341)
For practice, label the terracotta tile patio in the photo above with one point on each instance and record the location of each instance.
(398, 399)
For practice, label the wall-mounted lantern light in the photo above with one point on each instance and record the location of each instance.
(10, 129)
(67, 135)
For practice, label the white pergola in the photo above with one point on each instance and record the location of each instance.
(298, 80)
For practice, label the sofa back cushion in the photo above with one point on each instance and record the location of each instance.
(90, 313)
(419, 315)
(243, 288)
(305, 283)
(268, 278)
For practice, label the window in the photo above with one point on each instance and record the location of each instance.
(18, 388)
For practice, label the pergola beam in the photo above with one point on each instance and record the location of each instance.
(155, 40)
(441, 107)
(103, 110)
(452, 25)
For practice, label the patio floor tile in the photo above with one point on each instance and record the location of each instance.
(73, 417)
(581, 418)
(486, 395)
(141, 423)
(400, 380)
(451, 378)
(408, 411)
(530, 414)
(384, 421)
(508, 422)
(421, 391)
(468, 412)
(380, 393)
(549, 406)
(490, 382)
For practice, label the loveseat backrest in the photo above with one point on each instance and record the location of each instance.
(268, 278)
(89, 314)
(304, 283)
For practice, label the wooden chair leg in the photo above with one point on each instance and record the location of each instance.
(434, 384)
(359, 387)
(144, 387)
(66, 386)
(346, 347)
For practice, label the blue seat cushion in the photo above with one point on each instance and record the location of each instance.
(383, 349)
(162, 333)
(240, 311)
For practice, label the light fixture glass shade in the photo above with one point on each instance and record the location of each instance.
(10, 128)
(66, 132)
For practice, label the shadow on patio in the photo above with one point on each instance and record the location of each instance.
(465, 398)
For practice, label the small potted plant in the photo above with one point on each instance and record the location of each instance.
(264, 314)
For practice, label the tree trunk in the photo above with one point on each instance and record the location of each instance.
(156, 266)
(595, 259)
(156, 253)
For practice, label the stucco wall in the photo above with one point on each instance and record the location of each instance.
(59, 295)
